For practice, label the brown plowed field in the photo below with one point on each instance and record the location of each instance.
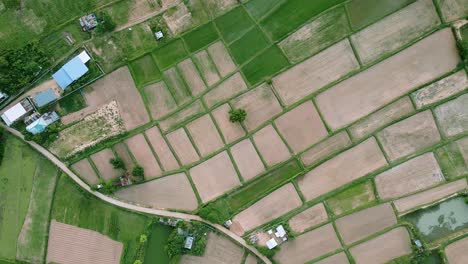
(247, 160)
(327, 147)
(221, 58)
(161, 149)
(144, 156)
(230, 87)
(191, 76)
(456, 252)
(105, 168)
(204, 134)
(271, 146)
(219, 250)
(310, 217)
(182, 146)
(84, 170)
(231, 131)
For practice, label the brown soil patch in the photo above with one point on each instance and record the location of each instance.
(85, 171)
(161, 149)
(226, 90)
(160, 100)
(260, 104)
(369, 90)
(342, 169)
(247, 159)
(326, 148)
(308, 218)
(205, 135)
(429, 196)
(453, 9)
(182, 146)
(144, 156)
(221, 58)
(207, 67)
(316, 72)
(251, 259)
(339, 258)
(456, 252)
(178, 19)
(409, 136)
(141, 10)
(397, 243)
(70, 244)
(214, 176)
(413, 175)
(442, 89)
(301, 127)
(381, 118)
(191, 76)
(231, 131)
(173, 192)
(453, 116)
(122, 152)
(102, 162)
(218, 7)
(177, 85)
(364, 223)
(271, 146)
(219, 250)
(309, 246)
(269, 208)
(186, 113)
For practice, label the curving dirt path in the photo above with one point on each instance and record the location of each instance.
(133, 207)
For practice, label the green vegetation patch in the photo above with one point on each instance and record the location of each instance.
(234, 24)
(71, 103)
(170, 54)
(352, 198)
(119, 12)
(200, 37)
(157, 240)
(292, 14)
(248, 45)
(265, 65)
(364, 12)
(451, 160)
(145, 70)
(259, 8)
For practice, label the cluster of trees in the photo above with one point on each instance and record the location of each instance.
(137, 171)
(217, 211)
(237, 115)
(176, 241)
(106, 24)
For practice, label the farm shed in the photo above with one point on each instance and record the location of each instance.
(88, 22)
(41, 123)
(72, 70)
(16, 112)
(44, 97)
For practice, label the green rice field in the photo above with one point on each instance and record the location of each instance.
(170, 54)
(248, 45)
(259, 8)
(200, 37)
(145, 70)
(265, 65)
(234, 24)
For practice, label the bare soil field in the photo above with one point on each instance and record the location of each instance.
(409, 136)
(309, 246)
(427, 197)
(160, 100)
(227, 89)
(178, 19)
(316, 72)
(161, 149)
(182, 146)
(221, 58)
(141, 10)
(214, 176)
(339, 258)
(186, 113)
(205, 135)
(191, 76)
(301, 127)
(207, 67)
(102, 162)
(381, 118)
(326, 148)
(231, 131)
(260, 104)
(247, 160)
(371, 89)
(70, 245)
(413, 175)
(121, 151)
(251, 259)
(176, 84)
(271, 146)
(308, 218)
(453, 9)
(268, 208)
(144, 156)
(84, 170)
(342, 169)
(362, 224)
(397, 243)
(456, 252)
(442, 89)
(173, 192)
(453, 116)
(395, 30)
(219, 250)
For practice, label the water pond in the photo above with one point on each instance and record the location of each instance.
(157, 240)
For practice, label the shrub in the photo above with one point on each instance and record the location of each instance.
(237, 115)
(216, 212)
(137, 262)
(106, 24)
(117, 163)
(138, 171)
(143, 238)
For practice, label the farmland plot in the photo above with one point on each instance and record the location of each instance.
(200, 37)
(144, 156)
(218, 7)
(176, 84)
(85, 171)
(352, 198)
(339, 258)
(326, 148)
(453, 116)
(191, 76)
(453, 9)
(170, 54)
(310, 217)
(247, 160)
(259, 8)
(207, 67)
(248, 45)
(188, 112)
(227, 89)
(121, 151)
(205, 135)
(231, 131)
(160, 100)
(182, 146)
(161, 149)
(265, 65)
(234, 24)
(218, 250)
(271, 146)
(221, 58)
(453, 158)
(456, 251)
(102, 162)
(144, 70)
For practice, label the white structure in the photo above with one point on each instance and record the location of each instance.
(159, 35)
(84, 56)
(3, 96)
(16, 112)
(280, 232)
(188, 242)
(271, 243)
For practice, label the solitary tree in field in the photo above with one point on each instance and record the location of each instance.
(237, 115)
(138, 171)
(117, 163)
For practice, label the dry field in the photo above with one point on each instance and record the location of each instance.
(380, 118)
(339, 258)
(144, 156)
(214, 177)
(191, 76)
(221, 58)
(268, 208)
(173, 192)
(247, 160)
(177, 85)
(260, 104)
(251, 259)
(161, 149)
(207, 67)
(416, 174)
(84, 170)
(141, 10)
(204, 134)
(395, 30)
(326, 148)
(427, 197)
(371, 89)
(218, 7)
(453, 9)
(409, 136)
(316, 72)
(72, 245)
(342, 169)
(186, 113)
(301, 127)
(456, 252)
(309, 246)
(453, 116)
(442, 89)
(178, 19)
(121, 151)
(271, 146)
(182, 146)
(231, 131)
(219, 250)
(362, 224)
(397, 243)
(102, 162)
(308, 218)
(159, 99)
(231, 87)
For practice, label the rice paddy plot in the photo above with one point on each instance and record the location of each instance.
(248, 45)
(200, 37)
(145, 70)
(170, 54)
(234, 24)
(264, 65)
(259, 8)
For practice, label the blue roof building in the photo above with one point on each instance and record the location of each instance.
(41, 123)
(70, 72)
(44, 97)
